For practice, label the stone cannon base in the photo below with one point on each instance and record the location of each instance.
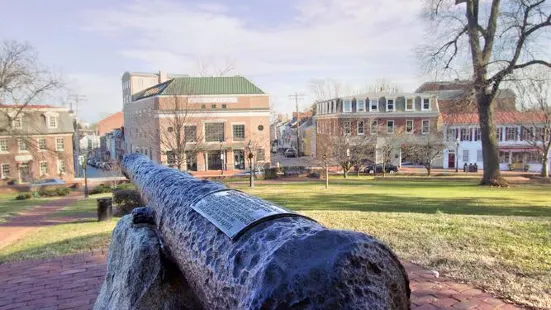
(138, 274)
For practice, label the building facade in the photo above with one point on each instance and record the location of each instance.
(134, 82)
(36, 142)
(518, 149)
(111, 122)
(219, 118)
(379, 117)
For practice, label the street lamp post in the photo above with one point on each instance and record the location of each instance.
(250, 156)
(84, 168)
(221, 158)
(326, 171)
(457, 155)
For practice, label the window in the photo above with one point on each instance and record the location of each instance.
(170, 129)
(18, 122)
(203, 106)
(214, 132)
(61, 166)
(499, 134)
(52, 122)
(426, 104)
(409, 126)
(390, 127)
(224, 106)
(22, 146)
(465, 155)
(360, 128)
(426, 127)
(347, 106)
(3, 145)
(43, 168)
(534, 157)
(260, 155)
(526, 133)
(190, 133)
(410, 104)
(479, 156)
(360, 105)
(477, 134)
(170, 158)
(373, 105)
(374, 127)
(510, 133)
(465, 134)
(238, 132)
(452, 135)
(5, 171)
(390, 105)
(539, 133)
(346, 126)
(213, 106)
(504, 157)
(59, 144)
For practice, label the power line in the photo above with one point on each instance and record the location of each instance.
(296, 96)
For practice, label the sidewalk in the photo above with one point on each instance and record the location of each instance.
(73, 282)
(18, 226)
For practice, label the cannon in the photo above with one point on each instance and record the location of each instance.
(236, 251)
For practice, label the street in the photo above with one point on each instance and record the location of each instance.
(306, 161)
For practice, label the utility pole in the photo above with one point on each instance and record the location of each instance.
(76, 144)
(297, 97)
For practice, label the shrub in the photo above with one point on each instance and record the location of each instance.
(126, 200)
(270, 173)
(100, 189)
(63, 191)
(47, 193)
(314, 175)
(125, 186)
(23, 196)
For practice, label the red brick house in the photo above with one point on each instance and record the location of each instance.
(36, 142)
(110, 123)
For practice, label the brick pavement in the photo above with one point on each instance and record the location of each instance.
(73, 282)
(18, 226)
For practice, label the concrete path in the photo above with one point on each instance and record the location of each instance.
(73, 282)
(18, 226)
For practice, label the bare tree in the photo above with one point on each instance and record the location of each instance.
(535, 94)
(383, 86)
(425, 149)
(500, 36)
(325, 89)
(389, 142)
(210, 66)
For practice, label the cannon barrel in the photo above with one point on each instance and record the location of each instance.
(278, 260)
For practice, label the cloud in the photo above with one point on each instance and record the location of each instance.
(324, 38)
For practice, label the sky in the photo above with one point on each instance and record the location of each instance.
(280, 45)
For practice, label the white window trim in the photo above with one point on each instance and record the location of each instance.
(423, 104)
(371, 132)
(358, 126)
(40, 168)
(20, 117)
(56, 144)
(423, 127)
(393, 124)
(468, 156)
(393, 105)
(7, 147)
(357, 105)
(413, 105)
(19, 146)
(2, 170)
(374, 110)
(349, 127)
(412, 126)
(481, 155)
(344, 105)
(38, 145)
(50, 119)
(59, 166)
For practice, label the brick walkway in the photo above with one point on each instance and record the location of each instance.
(73, 282)
(18, 226)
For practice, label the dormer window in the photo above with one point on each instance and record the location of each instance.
(410, 104)
(360, 105)
(18, 122)
(426, 104)
(347, 106)
(390, 105)
(52, 122)
(373, 105)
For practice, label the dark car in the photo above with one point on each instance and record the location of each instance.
(290, 153)
(389, 168)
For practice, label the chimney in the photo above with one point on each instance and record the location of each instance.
(163, 76)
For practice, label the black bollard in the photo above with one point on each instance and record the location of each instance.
(105, 208)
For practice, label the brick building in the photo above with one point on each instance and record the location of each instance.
(222, 116)
(111, 122)
(36, 142)
(379, 117)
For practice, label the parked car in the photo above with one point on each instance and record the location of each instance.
(290, 153)
(46, 182)
(389, 168)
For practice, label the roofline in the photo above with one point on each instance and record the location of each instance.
(380, 95)
(30, 107)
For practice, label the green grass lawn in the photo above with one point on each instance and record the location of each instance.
(85, 208)
(9, 206)
(497, 239)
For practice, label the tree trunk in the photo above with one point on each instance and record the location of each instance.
(492, 174)
(545, 162)
(358, 172)
(429, 168)
(326, 176)
(345, 172)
